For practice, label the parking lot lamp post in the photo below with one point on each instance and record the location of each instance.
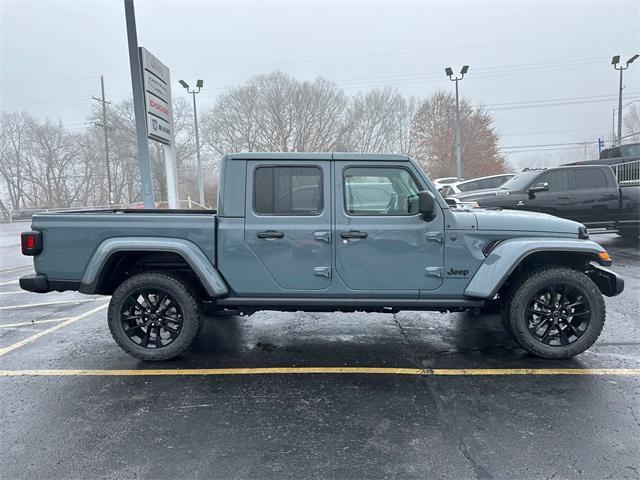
(193, 92)
(449, 73)
(615, 61)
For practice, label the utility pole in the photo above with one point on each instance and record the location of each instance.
(449, 73)
(104, 125)
(199, 85)
(138, 106)
(615, 61)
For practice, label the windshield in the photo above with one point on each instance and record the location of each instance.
(520, 181)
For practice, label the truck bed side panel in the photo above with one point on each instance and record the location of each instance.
(70, 239)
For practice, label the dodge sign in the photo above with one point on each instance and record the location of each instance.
(157, 94)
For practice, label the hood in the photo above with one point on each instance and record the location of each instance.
(514, 220)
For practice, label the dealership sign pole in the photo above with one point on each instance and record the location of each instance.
(159, 116)
(138, 106)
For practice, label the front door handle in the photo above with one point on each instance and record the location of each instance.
(353, 234)
(564, 197)
(610, 195)
(268, 234)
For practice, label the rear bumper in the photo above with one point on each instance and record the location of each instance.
(36, 282)
(608, 281)
(40, 283)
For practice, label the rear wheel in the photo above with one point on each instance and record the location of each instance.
(153, 316)
(556, 313)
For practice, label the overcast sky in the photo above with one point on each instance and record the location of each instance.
(521, 53)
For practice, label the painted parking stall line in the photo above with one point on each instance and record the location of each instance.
(34, 322)
(446, 372)
(46, 304)
(10, 348)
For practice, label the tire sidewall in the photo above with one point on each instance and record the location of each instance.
(531, 286)
(175, 288)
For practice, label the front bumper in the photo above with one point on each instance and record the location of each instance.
(608, 281)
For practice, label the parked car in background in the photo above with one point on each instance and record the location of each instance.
(441, 182)
(475, 184)
(589, 194)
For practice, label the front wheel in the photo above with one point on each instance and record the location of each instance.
(556, 313)
(153, 316)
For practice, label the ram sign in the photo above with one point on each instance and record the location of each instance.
(157, 96)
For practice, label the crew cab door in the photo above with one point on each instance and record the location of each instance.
(595, 196)
(557, 200)
(288, 222)
(382, 242)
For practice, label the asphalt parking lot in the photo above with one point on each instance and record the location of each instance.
(446, 396)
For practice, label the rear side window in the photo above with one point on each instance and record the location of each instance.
(588, 178)
(287, 191)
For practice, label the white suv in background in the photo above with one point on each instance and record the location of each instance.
(482, 183)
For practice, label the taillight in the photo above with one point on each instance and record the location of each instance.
(31, 243)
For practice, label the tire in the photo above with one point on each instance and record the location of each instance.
(153, 316)
(556, 313)
(505, 310)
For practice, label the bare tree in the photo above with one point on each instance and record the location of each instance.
(434, 134)
(378, 121)
(14, 128)
(275, 112)
(632, 123)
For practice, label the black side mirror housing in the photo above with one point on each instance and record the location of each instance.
(538, 187)
(426, 204)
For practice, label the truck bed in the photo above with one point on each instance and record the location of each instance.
(71, 238)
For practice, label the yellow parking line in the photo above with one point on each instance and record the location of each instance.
(49, 330)
(326, 371)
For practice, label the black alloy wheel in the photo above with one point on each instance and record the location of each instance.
(151, 318)
(558, 314)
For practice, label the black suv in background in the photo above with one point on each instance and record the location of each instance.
(590, 195)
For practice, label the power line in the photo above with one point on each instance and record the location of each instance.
(548, 145)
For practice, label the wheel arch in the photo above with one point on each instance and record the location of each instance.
(511, 258)
(115, 257)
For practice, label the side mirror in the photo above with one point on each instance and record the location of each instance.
(538, 187)
(426, 203)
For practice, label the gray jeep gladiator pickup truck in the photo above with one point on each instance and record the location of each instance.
(325, 232)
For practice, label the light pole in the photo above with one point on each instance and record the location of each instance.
(199, 85)
(615, 61)
(449, 73)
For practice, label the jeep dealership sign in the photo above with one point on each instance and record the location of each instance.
(157, 96)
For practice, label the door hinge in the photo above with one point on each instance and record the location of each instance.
(322, 272)
(433, 272)
(322, 236)
(433, 236)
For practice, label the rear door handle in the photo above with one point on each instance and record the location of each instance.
(564, 197)
(353, 234)
(270, 234)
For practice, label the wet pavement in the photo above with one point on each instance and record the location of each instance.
(312, 425)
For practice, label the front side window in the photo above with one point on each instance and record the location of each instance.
(380, 191)
(558, 180)
(287, 191)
